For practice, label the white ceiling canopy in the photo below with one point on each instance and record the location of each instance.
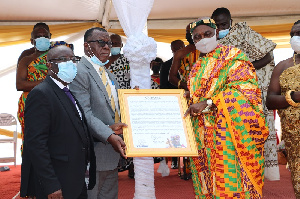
(161, 13)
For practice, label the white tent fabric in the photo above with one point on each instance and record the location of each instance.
(139, 50)
(99, 10)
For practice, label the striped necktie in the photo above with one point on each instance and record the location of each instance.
(109, 93)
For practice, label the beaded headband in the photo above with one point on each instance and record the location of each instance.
(209, 22)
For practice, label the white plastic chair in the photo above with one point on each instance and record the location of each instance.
(9, 120)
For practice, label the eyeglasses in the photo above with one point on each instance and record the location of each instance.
(102, 43)
(65, 59)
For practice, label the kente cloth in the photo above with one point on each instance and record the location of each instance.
(255, 46)
(290, 124)
(155, 79)
(154, 85)
(186, 64)
(36, 70)
(230, 139)
(120, 68)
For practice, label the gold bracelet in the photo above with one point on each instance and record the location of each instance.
(289, 99)
(178, 84)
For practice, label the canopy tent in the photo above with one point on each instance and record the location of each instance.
(166, 22)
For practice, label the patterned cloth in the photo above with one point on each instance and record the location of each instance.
(230, 139)
(155, 79)
(120, 68)
(36, 70)
(186, 64)
(256, 47)
(154, 85)
(290, 124)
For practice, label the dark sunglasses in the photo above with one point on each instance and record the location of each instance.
(65, 59)
(102, 43)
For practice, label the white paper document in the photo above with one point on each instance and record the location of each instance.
(156, 122)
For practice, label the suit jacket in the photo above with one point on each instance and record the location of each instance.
(92, 95)
(57, 144)
(164, 75)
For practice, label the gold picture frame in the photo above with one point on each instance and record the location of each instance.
(141, 136)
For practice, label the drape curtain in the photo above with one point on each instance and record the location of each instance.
(18, 34)
(140, 50)
(12, 35)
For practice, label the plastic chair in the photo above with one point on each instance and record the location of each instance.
(9, 120)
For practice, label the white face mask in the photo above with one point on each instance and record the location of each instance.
(207, 45)
(295, 43)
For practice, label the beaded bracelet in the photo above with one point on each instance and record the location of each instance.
(289, 99)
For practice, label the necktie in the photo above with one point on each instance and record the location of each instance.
(108, 90)
(68, 93)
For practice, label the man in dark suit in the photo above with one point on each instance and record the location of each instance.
(57, 143)
(96, 90)
(165, 69)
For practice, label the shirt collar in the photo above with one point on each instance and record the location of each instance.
(59, 84)
(96, 66)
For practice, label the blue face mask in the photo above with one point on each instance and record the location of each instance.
(115, 50)
(223, 33)
(42, 43)
(95, 60)
(67, 71)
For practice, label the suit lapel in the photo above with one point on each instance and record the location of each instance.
(68, 106)
(96, 79)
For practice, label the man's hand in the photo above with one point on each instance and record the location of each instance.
(56, 195)
(187, 95)
(118, 144)
(118, 127)
(196, 109)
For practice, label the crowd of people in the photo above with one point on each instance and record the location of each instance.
(70, 114)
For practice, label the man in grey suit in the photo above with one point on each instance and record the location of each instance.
(96, 90)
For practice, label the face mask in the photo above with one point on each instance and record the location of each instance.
(67, 71)
(115, 50)
(223, 33)
(95, 59)
(207, 45)
(42, 43)
(295, 43)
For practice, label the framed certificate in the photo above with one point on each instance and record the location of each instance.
(156, 126)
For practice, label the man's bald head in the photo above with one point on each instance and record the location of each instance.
(58, 51)
(177, 45)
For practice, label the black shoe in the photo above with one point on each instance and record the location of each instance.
(131, 170)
